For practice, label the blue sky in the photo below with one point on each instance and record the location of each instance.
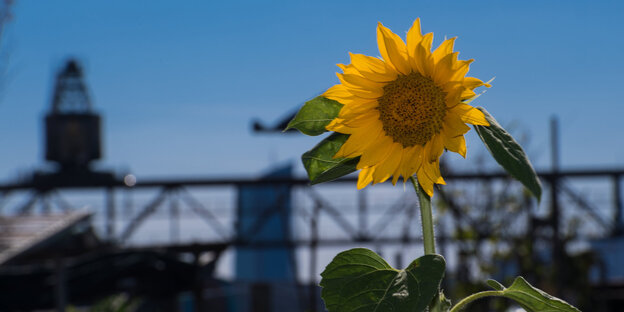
(179, 82)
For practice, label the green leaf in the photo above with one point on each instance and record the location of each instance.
(320, 164)
(509, 154)
(315, 115)
(535, 300)
(359, 280)
(495, 285)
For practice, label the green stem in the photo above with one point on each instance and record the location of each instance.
(474, 297)
(427, 218)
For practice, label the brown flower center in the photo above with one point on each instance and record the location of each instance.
(412, 109)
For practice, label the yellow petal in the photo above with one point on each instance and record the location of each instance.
(460, 70)
(436, 147)
(350, 125)
(372, 68)
(426, 41)
(392, 49)
(414, 160)
(357, 142)
(472, 82)
(407, 161)
(470, 114)
(338, 126)
(444, 49)
(444, 69)
(432, 170)
(467, 94)
(454, 125)
(363, 120)
(365, 177)
(455, 143)
(355, 109)
(347, 93)
(352, 70)
(385, 169)
(426, 65)
(359, 82)
(453, 94)
(376, 153)
(397, 172)
(425, 182)
(426, 151)
(414, 36)
(346, 68)
(365, 94)
(368, 62)
(337, 92)
(422, 61)
(341, 94)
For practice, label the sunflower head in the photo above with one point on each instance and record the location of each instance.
(403, 109)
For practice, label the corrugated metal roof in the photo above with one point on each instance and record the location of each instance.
(18, 234)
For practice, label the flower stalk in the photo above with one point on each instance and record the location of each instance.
(426, 216)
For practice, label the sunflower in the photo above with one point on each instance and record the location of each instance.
(402, 110)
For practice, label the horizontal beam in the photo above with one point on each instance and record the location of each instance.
(172, 183)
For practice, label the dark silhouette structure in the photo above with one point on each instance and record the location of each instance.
(73, 137)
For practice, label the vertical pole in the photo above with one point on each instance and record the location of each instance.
(557, 250)
(534, 224)
(441, 236)
(313, 247)
(198, 288)
(398, 262)
(362, 213)
(174, 225)
(618, 227)
(554, 143)
(45, 202)
(110, 213)
(60, 289)
(128, 206)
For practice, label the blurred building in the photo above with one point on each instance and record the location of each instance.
(266, 266)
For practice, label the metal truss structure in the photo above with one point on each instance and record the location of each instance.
(322, 216)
